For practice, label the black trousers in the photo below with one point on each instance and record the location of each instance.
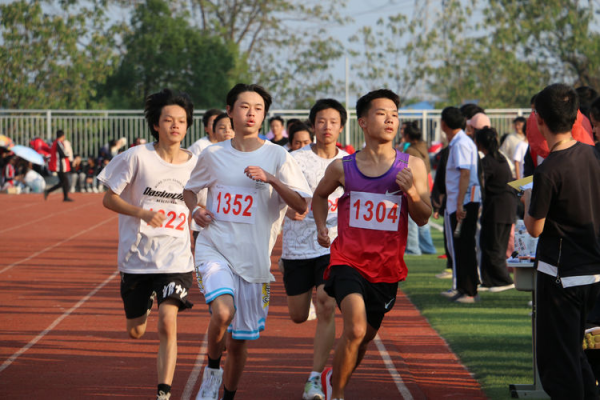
(493, 241)
(561, 314)
(464, 251)
(63, 181)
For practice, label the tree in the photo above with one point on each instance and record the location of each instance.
(53, 61)
(284, 42)
(163, 50)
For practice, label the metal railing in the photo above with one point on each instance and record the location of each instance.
(89, 130)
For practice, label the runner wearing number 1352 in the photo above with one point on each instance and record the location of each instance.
(381, 187)
(250, 184)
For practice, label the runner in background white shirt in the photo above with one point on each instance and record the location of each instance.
(304, 260)
(519, 158)
(222, 129)
(250, 183)
(144, 186)
(208, 120)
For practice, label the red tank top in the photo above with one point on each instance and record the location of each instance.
(372, 223)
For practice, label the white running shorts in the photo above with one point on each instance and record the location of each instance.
(251, 300)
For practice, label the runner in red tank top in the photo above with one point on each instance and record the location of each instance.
(381, 188)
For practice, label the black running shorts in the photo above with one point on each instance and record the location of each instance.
(136, 290)
(300, 276)
(379, 297)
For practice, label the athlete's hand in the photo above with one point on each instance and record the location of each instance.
(203, 217)
(153, 218)
(294, 216)
(404, 179)
(323, 237)
(436, 215)
(257, 174)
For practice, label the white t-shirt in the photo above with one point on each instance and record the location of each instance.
(199, 145)
(300, 237)
(141, 178)
(519, 156)
(248, 214)
(196, 148)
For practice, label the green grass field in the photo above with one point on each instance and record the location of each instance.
(492, 337)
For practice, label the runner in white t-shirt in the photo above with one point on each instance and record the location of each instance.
(208, 120)
(250, 183)
(304, 260)
(145, 185)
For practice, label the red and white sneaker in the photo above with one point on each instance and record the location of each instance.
(326, 382)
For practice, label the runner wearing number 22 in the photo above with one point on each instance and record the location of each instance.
(381, 187)
(250, 184)
(144, 186)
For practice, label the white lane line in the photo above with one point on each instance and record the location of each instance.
(189, 386)
(392, 369)
(55, 245)
(57, 321)
(46, 217)
(7, 210)
(436, 226)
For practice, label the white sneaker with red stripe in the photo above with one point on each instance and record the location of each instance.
(326, 382)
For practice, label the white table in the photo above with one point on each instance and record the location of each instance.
(525, 280)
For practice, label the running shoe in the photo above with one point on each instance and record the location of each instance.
(211, 383)
(313, 389)
(163, 396)
(326, 383)
(312, 312)
(464, 299)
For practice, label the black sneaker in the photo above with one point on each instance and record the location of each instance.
(68, 199)
(46, 193)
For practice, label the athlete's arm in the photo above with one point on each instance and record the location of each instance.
(289, 196)
(413, 181)
(333, 178)
(114, 202)
(202, 216)
(534, 226)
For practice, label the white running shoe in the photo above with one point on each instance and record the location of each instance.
(312, 312)
(313, 389)
(211, 383)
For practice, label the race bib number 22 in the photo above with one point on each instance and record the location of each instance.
(175, 223)
(374, 211)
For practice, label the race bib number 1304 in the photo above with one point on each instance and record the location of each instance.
(375, 211)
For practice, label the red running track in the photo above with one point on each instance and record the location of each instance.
(62, 326)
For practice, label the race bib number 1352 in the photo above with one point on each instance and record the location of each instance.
(375, 211)
(235, 204)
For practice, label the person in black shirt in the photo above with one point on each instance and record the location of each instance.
(564, 211)
(498, 213)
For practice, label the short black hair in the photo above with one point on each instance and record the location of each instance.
(299, 127)
(586, 96)
(60, 133)
(209, 114)
(412, 131)
(276, 118)
(364, 103)
(453, 118)
(532, 101)
(220, 117)
(233, 94)
(291, 122)
(557, 105)
(155, 103)
(470, 109)
(324, 104)
(520, 119)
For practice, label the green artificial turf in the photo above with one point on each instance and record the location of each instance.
(492, 338)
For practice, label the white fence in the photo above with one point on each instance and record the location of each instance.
(88, 131)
